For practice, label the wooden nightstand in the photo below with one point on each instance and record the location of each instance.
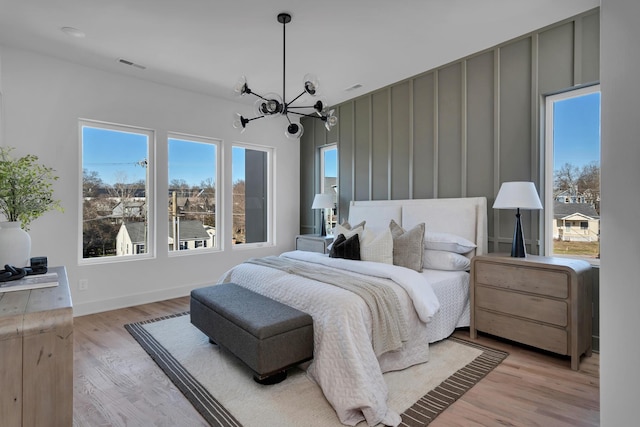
(540, 301)
(313, 243)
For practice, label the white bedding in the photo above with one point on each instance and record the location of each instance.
(452, 290)
(344, 364)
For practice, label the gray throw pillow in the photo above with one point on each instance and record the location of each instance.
(408, 246)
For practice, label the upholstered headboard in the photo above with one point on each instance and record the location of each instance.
(465, 217)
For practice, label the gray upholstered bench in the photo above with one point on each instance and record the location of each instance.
(266, 335)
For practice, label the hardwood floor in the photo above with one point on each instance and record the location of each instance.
(117, 384)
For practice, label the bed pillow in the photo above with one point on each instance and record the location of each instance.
(443, 260)
(348, 226)
(348, 248)
(408, 246)
(377, 247)
(377, 217)
(448, 242)
(348, 232)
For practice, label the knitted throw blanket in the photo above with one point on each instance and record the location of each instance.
(389, 324)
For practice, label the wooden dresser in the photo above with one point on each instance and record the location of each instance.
(544, 302)
(36, 356)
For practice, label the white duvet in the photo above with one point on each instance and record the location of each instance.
(344, 364)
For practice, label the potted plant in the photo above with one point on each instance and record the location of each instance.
(26, 192)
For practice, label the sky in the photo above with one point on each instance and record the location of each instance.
(113, 153)
(331, 163)
(577, 130)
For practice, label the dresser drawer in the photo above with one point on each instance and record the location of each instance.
(531, 333)
(526, 279)
(555, 312)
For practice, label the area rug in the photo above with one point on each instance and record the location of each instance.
(222, 389)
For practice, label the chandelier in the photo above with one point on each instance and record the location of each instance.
(272, 104)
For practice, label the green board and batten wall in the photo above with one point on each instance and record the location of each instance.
(456, 131)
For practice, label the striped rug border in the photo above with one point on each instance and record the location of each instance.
(425, 410)
(432, 404)
(207, 405)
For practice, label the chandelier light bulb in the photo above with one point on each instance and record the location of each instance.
(270, 106)
(294, 131)
(311, 84)
(240, 122)
(241, 86)
(330, 120)
(320, 106)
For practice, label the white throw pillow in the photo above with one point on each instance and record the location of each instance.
(443, 260)
(348, 232)
(377, 247)
(447, 242)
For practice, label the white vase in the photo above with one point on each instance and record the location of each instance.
(15, 245)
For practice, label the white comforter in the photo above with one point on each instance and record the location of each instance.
(344, 365)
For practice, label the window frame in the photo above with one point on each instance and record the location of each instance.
(149, 191)
(270, 223)
(331, 218)
(217, 246)
(548, 169)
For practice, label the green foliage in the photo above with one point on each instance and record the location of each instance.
(26, 188)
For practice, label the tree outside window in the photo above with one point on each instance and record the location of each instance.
(572, 173)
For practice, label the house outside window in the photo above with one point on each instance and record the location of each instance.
(252, 188)
(193, 197)
(116, 191)
(572, 173)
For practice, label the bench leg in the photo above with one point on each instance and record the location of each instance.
(270, 379)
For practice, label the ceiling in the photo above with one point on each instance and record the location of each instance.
(205, 45)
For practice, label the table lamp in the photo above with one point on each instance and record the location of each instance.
(322, 201)
(517, 195)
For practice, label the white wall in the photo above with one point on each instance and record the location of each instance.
(620, 245)
(43, 100)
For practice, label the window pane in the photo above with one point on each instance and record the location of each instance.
(115, 190)
(250, 172)
(573, 173)
(192, 193)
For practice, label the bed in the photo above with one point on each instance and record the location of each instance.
(348, 358)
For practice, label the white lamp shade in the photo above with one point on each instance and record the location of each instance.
(322, 201)
(517, 194)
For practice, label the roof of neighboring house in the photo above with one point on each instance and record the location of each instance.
(136, 231)
(191, 230)
(561, 210)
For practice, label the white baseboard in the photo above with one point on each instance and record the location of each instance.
(93, 307)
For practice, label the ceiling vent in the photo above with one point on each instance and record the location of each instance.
(132, 64)
(354, 87)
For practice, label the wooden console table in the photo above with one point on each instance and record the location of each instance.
(36, 356)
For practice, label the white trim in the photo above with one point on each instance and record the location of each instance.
(549, 101)
(271, 151)
(217, 143)
(149, 191)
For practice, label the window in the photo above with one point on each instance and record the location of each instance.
(329, 180)
(572, 173)
(116, 217)
(192, 199)
(251, 177)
